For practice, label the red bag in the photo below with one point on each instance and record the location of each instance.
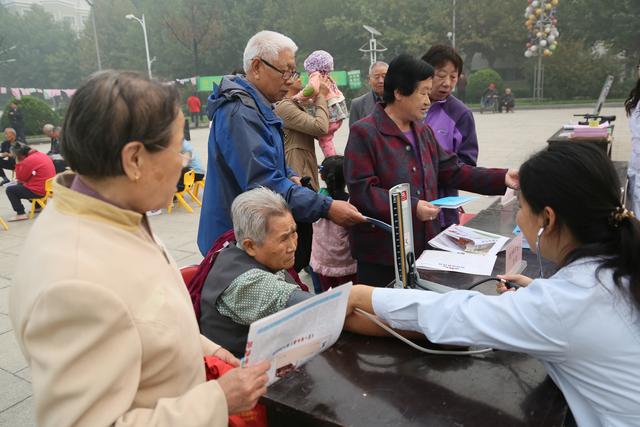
(256, 417)
(197, 281)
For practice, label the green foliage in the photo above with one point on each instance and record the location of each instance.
(46, 52)
(576, 71)
(36, 113)
(479, 81)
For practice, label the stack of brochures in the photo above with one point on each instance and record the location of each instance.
(452, 202)
(466, 250)
(589, 132)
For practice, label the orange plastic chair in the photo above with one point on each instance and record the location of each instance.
(4, 224)
(189, 178)
(198, 185)
(42, 201)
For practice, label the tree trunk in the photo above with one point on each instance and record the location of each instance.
(196, 59)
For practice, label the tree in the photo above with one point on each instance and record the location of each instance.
(194, 25)
(46, 53)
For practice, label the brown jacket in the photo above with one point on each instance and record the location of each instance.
(106, 324)
(300, 129)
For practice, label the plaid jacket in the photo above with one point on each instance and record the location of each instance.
(378, 156)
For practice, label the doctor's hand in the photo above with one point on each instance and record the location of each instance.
(225, 355)
(518, 279)
(243, 387)
(344, 214)
(425, 211)
(512, 179)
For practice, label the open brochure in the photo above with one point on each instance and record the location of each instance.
(294, 335)
(461, 239)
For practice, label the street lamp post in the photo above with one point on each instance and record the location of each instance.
(146, 40)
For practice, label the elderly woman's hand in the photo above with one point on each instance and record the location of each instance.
(243, 387)
(226, 356)
(512, 179)
(344, 214)
(425, 211)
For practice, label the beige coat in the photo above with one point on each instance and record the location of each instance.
(104, 320)
(300, 129)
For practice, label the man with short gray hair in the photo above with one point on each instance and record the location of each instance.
(7, 161)
(249, 279)
(246, 147)
(363, 105)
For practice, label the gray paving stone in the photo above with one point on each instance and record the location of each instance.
(21, 414)
(12, 390)
(5, 323)
(11, 358)
(25, 374)
(4, 300)
(7, 264)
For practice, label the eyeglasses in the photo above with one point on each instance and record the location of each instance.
(184, 156)
(286, 75)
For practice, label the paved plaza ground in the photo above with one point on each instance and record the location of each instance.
(505, 141)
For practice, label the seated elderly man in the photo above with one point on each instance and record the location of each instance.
(7, 161)
(33, 169)
(249, 279)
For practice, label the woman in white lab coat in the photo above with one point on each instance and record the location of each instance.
(583, 323)
(632, 107)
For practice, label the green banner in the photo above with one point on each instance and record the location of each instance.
(342, 78)
(205, 83)
(355, 82)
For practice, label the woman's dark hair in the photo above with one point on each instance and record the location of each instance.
(634, 95)
(403, 75)
(439, 54)
(20, 150)
(108, 111)
(331, 171)
(580, 184)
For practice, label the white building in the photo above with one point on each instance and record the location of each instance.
(74, 12)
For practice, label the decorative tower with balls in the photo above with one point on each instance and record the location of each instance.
(543, 38)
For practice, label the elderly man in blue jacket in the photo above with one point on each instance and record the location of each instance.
(246, 144)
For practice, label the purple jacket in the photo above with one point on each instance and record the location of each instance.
(452, 123)
(378, 156)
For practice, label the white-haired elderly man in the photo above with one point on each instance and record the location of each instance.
(7, 161)
(53, 133)
(363, 105)
(246, 147)
(249, 279)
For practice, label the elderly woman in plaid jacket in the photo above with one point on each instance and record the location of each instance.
(393, 146)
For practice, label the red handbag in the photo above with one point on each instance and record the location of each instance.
(256, 417)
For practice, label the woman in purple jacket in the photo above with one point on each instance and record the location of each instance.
(452, 121)
(394, 146)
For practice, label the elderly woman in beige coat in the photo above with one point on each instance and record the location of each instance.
(105, 322)
(300, 129)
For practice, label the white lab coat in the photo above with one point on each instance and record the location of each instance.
(634, 162)
(585, 332)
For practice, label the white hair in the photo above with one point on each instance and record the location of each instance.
(10, 130)
(251, 211)
(47, 128)
(375, 64)
(266, 45)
